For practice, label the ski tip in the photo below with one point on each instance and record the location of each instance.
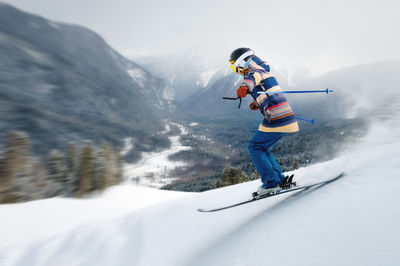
(336, 178)
(207, 210)
(341, 174)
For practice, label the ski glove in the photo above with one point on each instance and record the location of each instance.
(242, 92)
(253, 106)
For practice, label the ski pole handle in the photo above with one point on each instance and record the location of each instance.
(230, 98)
(234, 99)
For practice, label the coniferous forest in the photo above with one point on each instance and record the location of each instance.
(227, 152)
(78, 170)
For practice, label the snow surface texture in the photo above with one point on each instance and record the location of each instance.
(353, 221)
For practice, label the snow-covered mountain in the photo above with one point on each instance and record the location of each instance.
(353, 221)
(62, 82)
(189, 70)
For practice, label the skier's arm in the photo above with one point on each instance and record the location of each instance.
(260, 101)
(246, 86)
(253, 80)
(249, 82)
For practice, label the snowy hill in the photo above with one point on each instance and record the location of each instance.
(353, 221)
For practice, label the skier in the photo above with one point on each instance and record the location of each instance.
(279, 118)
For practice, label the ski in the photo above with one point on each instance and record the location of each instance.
(276, 194)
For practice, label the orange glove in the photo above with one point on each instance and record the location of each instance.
(242, 92)
(253, 106)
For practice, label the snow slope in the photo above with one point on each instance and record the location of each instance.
(43, 219)
(353, 221)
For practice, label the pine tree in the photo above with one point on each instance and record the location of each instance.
(119, 176)
(109, 167)
(42, 188)
(99, 173)
(14, 167)
(216, 184)
(35, 184)
(296, 164)
(231, 176)
(102, 169)
(57, 172)
(86, 169)
(72, 163)
(105, 165)
(255, 176)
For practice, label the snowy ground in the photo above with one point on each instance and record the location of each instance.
(154, 169)
(353, 221)
(44, 219)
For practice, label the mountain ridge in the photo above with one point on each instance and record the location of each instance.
(63, 82)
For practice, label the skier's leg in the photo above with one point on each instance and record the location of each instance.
(258, 148)
(260, 161)
(275, 164)
(271, 158)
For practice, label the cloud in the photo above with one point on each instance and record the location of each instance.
(318, 35)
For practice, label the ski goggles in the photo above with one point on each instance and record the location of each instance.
(240, 61)
(232, 66)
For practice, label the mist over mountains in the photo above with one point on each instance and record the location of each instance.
(358, 92)
(62, 82)
(188, 71)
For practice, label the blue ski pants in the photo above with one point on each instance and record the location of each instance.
(269, 170)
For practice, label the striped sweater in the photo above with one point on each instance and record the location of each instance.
(278, 115)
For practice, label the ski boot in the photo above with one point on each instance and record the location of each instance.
(262, 191)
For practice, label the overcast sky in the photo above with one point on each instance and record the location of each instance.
(317, 35)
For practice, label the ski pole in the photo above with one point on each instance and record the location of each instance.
(240, 102)
(327, 91)
(307, 120)
(234, 99)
